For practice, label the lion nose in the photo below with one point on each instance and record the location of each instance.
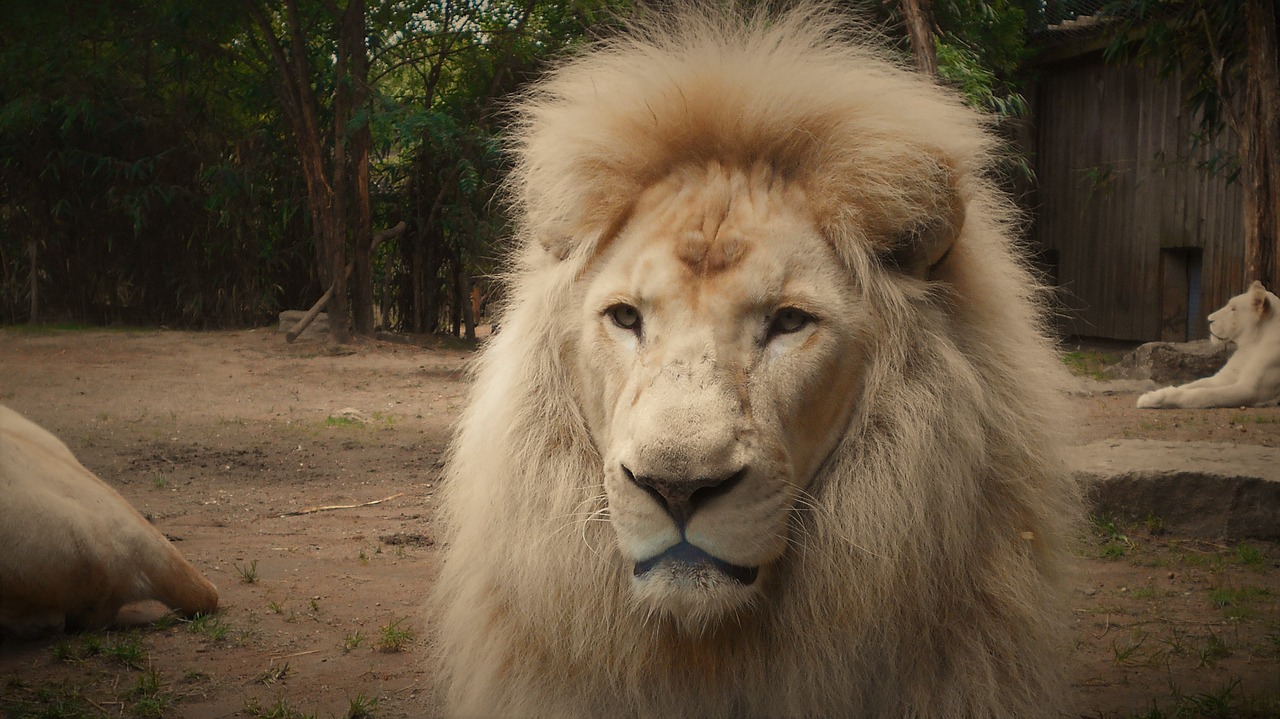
(682, 497)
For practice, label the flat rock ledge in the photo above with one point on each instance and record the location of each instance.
(1170, 362)
(1198, 489)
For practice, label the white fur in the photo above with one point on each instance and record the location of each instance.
(72, 550)
(905, 497)
(1251, 376)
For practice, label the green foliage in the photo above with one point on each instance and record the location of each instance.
(1205, 39)
(130, 162)
(148, 173)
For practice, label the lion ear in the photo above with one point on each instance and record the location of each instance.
(921, 246)
(557, 244)
(1258, 295)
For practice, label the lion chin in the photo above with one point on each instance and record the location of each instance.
(693, 587)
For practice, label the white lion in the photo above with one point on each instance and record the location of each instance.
(72, 550)
(1251, 376)
(772, 428)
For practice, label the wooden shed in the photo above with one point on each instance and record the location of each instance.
(1135, 221)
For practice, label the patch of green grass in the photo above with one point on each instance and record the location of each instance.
(1148, 593)
(1153, 524)
(351, 641)
(1225, 703)
(1112, 550)
(337, 421)
(159, 481)
(1089, 363)
(149, 697)
(1126, 653)
(49, 701)
(362, 707)
(1238, 603)
(65, 652)
(248, 572)
(1113, 542)
(209, 626)
(1211, 651)
(394, 638)
(91, 646)
(1249, 556)
(1176, 643)
(127, 650)
(275, 607)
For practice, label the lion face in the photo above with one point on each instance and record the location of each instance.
(722, 348)
(1240, 315)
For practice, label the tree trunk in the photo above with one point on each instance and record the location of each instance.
(455, 307)
(1260, 145)
(918, 17)
(468, 311)
(360, 219)
(419, 284)
(32, 250)
(324, 200)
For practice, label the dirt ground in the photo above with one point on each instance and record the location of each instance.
(238, 446)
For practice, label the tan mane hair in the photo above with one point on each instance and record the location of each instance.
(926, 570)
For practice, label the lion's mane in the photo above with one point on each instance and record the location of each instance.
(927, 578)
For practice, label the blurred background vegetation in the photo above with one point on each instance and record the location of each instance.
(207, 164)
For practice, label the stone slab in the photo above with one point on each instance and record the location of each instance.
(1203, 489)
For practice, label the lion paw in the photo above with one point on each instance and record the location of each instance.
(1154, 399)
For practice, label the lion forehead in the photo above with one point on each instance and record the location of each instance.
(717, 222)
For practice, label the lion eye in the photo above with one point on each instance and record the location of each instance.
(788, 320)
(625, 316)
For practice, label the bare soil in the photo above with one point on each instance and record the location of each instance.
(239, 447)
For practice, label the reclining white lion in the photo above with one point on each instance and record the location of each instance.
(72, 550)
(772, 428)
(1251, 376)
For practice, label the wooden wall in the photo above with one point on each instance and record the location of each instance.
(1122, 211)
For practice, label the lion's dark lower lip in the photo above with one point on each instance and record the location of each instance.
(687, 554)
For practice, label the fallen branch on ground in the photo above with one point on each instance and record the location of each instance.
(313, 510)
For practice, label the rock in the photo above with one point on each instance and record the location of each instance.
(1201, 489)
(1170, 362)
(353, 414)
(318, 326)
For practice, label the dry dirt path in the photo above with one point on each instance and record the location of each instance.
(215, 436)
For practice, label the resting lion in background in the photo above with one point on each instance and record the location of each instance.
(72, 550)
(772, 428)
(1251, 376)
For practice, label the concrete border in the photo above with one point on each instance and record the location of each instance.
(1201, 489)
